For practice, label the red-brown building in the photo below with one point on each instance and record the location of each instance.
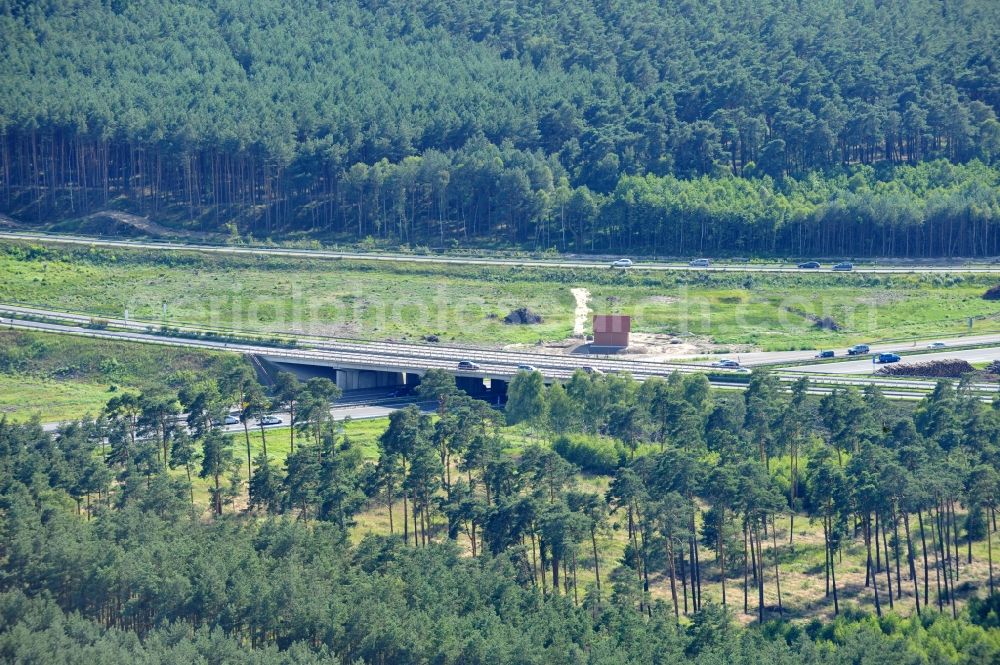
(611, 330)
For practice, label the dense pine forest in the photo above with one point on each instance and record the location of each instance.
(491, 554)
(854, 127)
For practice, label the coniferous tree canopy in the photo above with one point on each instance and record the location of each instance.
(765, 126)
(107, 556)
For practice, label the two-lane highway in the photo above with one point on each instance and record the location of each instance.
(564, 262)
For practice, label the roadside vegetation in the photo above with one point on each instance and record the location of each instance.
(378, 300)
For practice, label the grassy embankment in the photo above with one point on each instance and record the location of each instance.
(408, 300)
(61, 378)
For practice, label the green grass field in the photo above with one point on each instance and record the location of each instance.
(406, 300)
(23, 397)
(58, 377)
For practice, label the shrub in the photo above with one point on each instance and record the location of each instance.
(591, 453)
(993, 293)
(522, 316)
(826, 323)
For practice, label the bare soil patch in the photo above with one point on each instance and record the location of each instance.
(581, 312)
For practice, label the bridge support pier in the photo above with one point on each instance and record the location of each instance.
(360, 379)
(411, 379)
(498, 391)
(471, 384)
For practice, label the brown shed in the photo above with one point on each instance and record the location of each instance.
(611, 330)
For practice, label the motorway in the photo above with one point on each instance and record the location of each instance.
(504, 361)
(989, 268)
(391, 357)
(377, 356)
(402, 357)
(866, 366)
(754, 358)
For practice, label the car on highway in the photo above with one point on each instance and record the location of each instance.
(843, 266)
(622, 263)
(809, 265)
(468, 364)
(726, 364)
(591, 370)
(825, 354)
(231, 420)
(884, 358)
(270, 420)
(936, 345)
(526, 368)
(858, 350)
(700, 263)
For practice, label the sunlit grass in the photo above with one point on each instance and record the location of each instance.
(467, 303)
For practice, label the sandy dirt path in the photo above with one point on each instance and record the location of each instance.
(582, 310)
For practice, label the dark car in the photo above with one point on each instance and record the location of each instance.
(809, 265)
(825, 354)
(883, 358)
(844, 267)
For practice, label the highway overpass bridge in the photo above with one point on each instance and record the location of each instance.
(355, 365)
(358, 365)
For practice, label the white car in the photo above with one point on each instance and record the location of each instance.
(699, 263)
(231, 420)
(622, 263)
(270, 420)
(936, 345)
(728, 364)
